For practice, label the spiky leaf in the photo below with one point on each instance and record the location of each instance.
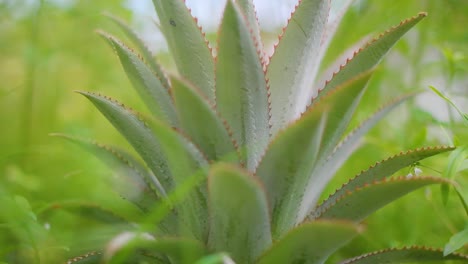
(310, 243)
(381, 170)
(286, 169)
(145, 52)
(150, 88)
(240, 222)
(404, 255)
(357, 204)
(294, 59)
(370, 55)
(138, 134)
(200, 121)
(146, 188)
(241, 89)
(187, 45)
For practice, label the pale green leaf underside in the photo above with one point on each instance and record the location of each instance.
(357, 204)
(145, 52)
(187, 45)
(457, 241)
(381, 170)
(241, 89)
(240, 222)
(286, 169)
(201, 123)
(370, 55)
(310, 243)
(327, 169)
(295, 59)
(138, 134)
(404, 255)
(146, 83)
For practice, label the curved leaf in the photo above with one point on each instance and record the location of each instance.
(327, 168)
(149, 189)
(146, 83)
(138, 134)
(199, 120)
(457, 241)
(248, 9)
(239, 214)
(241, 88)
(187, 45)
(148, 57)
(185, 163)
(127, 246)
(381, 170)
(286, 169)
(294, 59)
(310, 243)
(404, 255)
(370, 55)
(357, 204)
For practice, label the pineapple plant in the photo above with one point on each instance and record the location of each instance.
(238, 148)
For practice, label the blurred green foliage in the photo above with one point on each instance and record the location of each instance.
(48, 50)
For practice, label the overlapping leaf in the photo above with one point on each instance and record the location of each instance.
(187, 45)
(240, 222)
(357, 204)
(241, 89)
(150, 88)
(286, 169)
(145, 52)
(369, 56)
(200, 121)
(381, 170)
(310, 243)
(294, 59)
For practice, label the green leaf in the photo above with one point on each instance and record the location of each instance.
(295, 58)
(185, 163)
(86, 209)
(441, 95)
(150, 88)
(456, 242)
(139, 135)
(239, 213)
(248, 9)
(201, 123)
(286, 169)
(129, 246)
(327, 168)
(404, 255)
(310, 243)
(149, 189)
(379, 171)
(456, 160)
(369, 56)
(147, 56)
(93, 257)
(357, 204)
(241, 89)
(187, 45)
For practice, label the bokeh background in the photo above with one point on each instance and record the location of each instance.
(49, 48)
